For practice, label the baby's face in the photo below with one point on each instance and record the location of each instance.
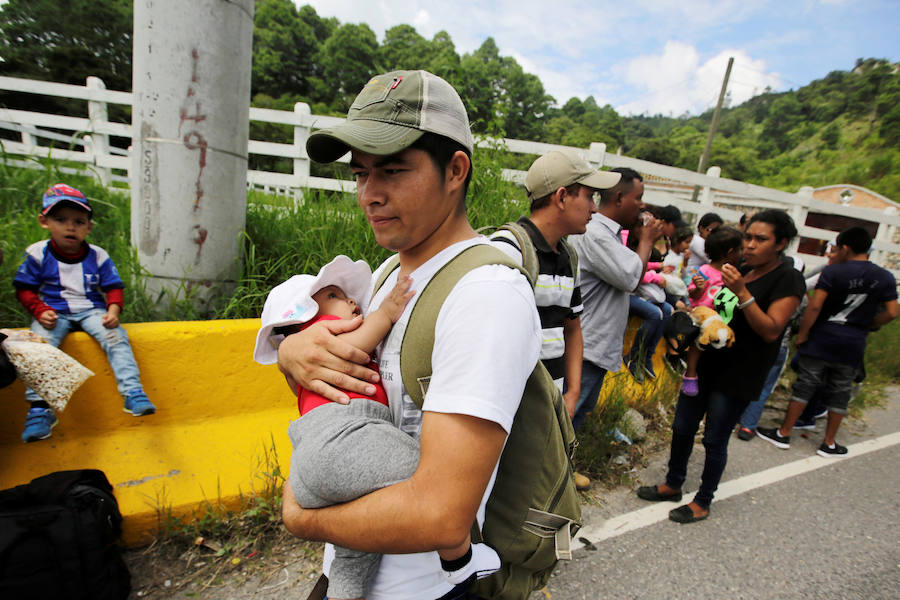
(333, 301)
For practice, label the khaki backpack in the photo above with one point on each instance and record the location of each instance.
(534, 509)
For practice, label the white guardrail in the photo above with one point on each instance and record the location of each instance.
(85, 140)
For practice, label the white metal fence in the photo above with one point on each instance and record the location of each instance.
(86, 140)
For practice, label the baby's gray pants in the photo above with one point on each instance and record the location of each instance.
(342, 452)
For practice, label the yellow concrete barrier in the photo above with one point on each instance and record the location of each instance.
(219, 416)
(221, 421)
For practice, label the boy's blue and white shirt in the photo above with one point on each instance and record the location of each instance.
(68, 286)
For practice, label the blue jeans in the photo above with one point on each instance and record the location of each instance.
(750, 418)
(722, 414)
(650, 332)
(113, 341)
(591, 383)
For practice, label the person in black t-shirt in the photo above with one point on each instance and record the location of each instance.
(832, 337)
(757, 303)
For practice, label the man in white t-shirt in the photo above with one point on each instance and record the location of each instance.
(411, 147)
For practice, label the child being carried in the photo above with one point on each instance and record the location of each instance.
(342, 452)
(723, 246)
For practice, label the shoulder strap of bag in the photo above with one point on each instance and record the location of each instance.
(418, 340)
(573, 256)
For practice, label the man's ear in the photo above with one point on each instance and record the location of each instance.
(559, 198)
(457, 170)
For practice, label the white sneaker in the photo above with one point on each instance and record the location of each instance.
(484, 561)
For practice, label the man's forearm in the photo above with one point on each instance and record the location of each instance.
(433, 509)
(573, 354)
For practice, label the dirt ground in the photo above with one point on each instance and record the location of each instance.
(284, 567)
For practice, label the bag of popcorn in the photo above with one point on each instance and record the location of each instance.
(49, 371)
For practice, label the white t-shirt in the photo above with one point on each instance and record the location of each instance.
(487, 341)
(698, 252)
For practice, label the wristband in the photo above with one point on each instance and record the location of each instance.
(744, 305)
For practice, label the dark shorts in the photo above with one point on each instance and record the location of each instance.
(836, 380)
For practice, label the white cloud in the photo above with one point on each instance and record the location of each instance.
(422, 19)
(676, 81)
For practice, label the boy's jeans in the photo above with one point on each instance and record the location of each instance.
(113, 341)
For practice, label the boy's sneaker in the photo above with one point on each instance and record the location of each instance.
(690, 386)
(810, 425)
(771, 435)
(745, 434)
(822, 414)
(837, 452)
(38, 423)
(637, 372)
(137, 403)
(484, 561)
(649, 372)
(674, 362)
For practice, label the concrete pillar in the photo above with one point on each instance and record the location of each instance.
(798, 213)
(885, 233)
(301, 160)
(99, 142)
(596, 154)
(706, 198)
(190, 128)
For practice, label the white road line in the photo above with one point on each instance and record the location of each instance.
(655, 513)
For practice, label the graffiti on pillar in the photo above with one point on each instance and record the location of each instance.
(149, 193)
(199, 238)
(192, 113)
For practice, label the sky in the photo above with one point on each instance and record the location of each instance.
(652, 56)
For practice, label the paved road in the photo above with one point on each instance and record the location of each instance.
(832, 532)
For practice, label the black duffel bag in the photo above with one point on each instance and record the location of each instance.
(58, 539)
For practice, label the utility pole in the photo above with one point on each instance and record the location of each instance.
(704, 158)
(188, 180)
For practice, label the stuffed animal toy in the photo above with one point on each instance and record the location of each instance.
(714, 333)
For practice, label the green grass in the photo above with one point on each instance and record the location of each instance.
(882, 368)
(280, 238)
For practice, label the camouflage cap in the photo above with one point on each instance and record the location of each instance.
(391, 112)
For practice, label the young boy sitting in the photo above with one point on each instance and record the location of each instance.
(851, 297)
(342, 452)
(66, 283)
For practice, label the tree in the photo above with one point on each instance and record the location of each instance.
(285, 49)
(831, 135)
(785, 114)
(658, 150)
(404, 48)
(349, 59)
(67, 41)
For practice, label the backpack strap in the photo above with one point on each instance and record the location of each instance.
(573, 256)
(530, 264)
(418, 340)
(390, 266)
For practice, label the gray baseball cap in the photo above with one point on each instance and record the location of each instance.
(562, 168)
(391, 112)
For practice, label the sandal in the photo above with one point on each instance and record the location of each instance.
(684, 514)
(652, 493)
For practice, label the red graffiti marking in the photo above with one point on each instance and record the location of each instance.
(195, 57)
(193, 139)
(199, 143)
(199, 238)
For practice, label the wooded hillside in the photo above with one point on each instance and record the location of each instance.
(844, 128)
